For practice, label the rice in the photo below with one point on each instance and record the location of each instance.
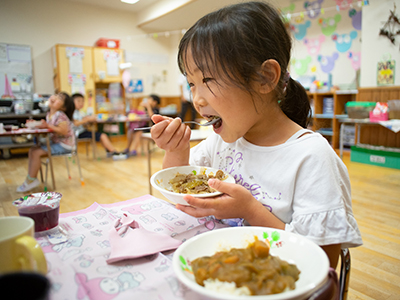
(224, 287)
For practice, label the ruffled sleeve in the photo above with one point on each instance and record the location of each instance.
(327, 227)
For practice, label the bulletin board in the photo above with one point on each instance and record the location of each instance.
(16, 76)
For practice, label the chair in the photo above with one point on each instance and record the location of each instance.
(336, 289)
(344, 273)
(73, 153)
(87, 141)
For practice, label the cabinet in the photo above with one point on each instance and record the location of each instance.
(100, 68)
(327, 122)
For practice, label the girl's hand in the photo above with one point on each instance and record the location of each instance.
(170, 134)
(44, 124)
(236, 202)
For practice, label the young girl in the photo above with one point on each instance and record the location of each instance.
(150, 106)
(62, 139)
(287, 177)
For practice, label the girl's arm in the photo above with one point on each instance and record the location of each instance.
(61, 128)
(85, 120)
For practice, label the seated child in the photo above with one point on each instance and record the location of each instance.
(150, 105)
(62, 139)
(81, 119)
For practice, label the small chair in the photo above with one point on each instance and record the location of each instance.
(73, 153)
(344, 273)
(87, 141)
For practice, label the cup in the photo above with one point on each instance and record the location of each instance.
(19, 251)
(25, 285)
(43, 208)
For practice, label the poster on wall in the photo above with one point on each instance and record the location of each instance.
(75, 56)
(386, 71)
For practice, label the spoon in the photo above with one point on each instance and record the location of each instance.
(213, 121)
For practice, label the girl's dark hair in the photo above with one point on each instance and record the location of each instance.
(156, 98)
(234, 42)
(68, 104)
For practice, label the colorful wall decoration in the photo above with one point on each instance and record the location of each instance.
(326, 39)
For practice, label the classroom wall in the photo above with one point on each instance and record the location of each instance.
(376, 48)
(44, 23)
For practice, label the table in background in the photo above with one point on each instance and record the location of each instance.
(196, 135)
(359, 123)
(36, 132)
(110, 121)
(17, 119)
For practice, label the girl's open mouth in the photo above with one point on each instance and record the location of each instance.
(216, 124)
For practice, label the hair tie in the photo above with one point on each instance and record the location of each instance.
(286, 80)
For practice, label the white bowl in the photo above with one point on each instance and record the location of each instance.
(160, 181)
(309, 258)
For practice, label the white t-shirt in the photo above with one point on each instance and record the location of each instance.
(78, 116)
(185, 88)
(302, 182)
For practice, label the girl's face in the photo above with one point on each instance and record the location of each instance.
(79, 102)
(56, 102)
(214, 98)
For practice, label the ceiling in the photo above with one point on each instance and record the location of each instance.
(181, 18)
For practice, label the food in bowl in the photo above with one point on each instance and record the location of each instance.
(253, 271)
(161, 181)
(194, 183)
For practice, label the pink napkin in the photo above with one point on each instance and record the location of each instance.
(129, 240)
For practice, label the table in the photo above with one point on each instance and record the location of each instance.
(112, 120)
(77, 266)
(196, 135)
(10, 118)
(24, 131)
(359, 123)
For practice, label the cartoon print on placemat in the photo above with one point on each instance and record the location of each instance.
(313, 8)
(111, 269)
(84, 260)
(139, 209)
(87, 225)
(100, 214)
(356, 18)
(300, 30)
(314, 45)
(72, 252)
(147, 219)
(97, 232)
(355, 58)
(328, 25)
(177, 288)
(74, 241)
(106, 287)
(164, 266)
(79, 219)
(104, 244)
(343, 41)
(327, 63)
(169, 216)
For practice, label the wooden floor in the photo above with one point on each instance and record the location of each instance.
(375, 271)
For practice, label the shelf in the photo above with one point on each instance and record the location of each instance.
(324, 116)
(325, 132)
(342, 116)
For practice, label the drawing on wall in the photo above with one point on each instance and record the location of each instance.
(301, 65)
(328, 25)
(75, 56)
(327, 63)
(314, 45)
(135, 86)
(343, 4)
(300, 30)
(386, 70)
(343, 41)
(356, 17)
(391, 28)
(313, 8)
(355, 58)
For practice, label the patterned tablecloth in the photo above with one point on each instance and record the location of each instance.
(78, 268)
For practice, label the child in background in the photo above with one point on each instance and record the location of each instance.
(62, 139)
(81, 119)
(151, 106)
(287, 177)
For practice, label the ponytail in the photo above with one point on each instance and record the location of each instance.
(296, 104)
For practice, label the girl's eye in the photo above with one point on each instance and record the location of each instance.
(190, 84)
(206, 79)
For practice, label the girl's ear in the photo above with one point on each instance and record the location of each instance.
(270, 72)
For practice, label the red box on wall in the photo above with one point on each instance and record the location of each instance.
(107, 43)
